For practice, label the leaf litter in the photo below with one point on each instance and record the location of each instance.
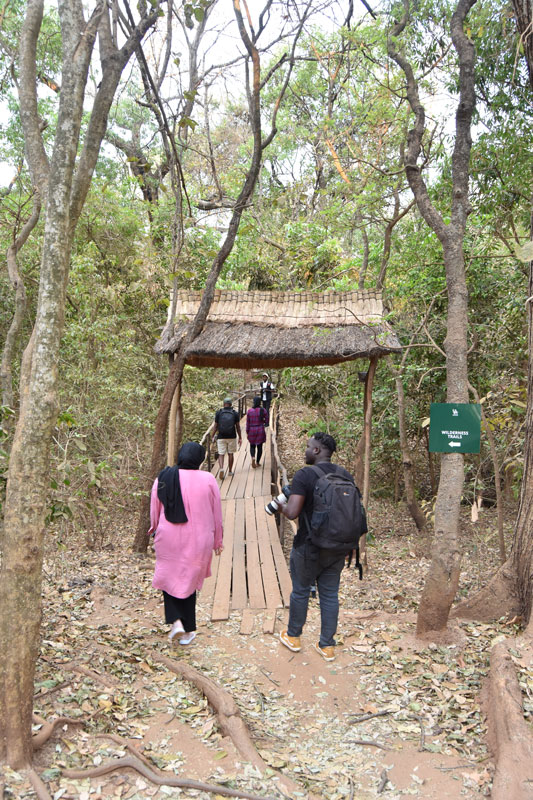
(390, 713)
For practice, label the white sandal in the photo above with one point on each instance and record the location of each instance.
(187, 639)
(176, 628)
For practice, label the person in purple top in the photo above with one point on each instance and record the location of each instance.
(256, 419)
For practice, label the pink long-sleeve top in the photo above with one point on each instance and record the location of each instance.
(183, 551)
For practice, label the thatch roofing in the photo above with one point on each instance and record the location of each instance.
(281, 329)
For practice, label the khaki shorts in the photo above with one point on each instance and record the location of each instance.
(226, 446)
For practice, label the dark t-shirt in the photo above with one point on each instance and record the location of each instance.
(303, 484)
(226, 434)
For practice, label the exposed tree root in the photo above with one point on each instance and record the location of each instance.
(40, 789)
(104, 680)
(38, 695)
(509, 735)
(229, 719)
(127, 746)
(158, 777)
(493, 601)
(49, 727)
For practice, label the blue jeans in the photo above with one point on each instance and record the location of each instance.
(306, 568)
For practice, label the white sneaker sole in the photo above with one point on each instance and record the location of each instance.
(321, 652)
(288, 645)
(190, 637)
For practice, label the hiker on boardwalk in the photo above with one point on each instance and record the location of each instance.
(227, 428)
(266, 387)
(310, 564)
(256, 419)
(186, 517)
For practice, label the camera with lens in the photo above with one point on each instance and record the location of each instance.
(278, 501)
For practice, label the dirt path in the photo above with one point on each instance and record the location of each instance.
(424, 734)
(388, 718)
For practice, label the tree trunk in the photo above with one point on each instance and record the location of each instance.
(444, 571)
(28, 478)
(511, 589)
(253, 90)
(522, 552)
(443, 577)
(140, 542)
(20, 303)
(412, 503)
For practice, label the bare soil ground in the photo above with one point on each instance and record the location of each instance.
(391, 717)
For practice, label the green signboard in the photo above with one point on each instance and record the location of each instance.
(455, 427)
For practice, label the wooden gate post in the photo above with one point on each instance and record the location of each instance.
(367, 410)
(369, 385)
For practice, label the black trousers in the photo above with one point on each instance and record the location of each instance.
(259, 451)
(181, 608)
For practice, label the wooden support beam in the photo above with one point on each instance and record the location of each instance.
(369, 385)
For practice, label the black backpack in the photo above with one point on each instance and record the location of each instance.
(338, 519)
(226, 423)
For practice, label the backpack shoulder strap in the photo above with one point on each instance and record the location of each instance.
(321, 472)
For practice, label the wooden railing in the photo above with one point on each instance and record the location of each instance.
(208, 440)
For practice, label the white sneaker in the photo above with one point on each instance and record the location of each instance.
(176, 628)
(187, 639)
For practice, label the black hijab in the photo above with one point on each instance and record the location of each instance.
(190, 456)
(257, 402)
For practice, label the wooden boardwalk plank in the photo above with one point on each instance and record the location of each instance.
(258, 479)
(264, 486)
(239, 593)
(269, 622)
(250, 477)
(279, 558)
(268, 567)
(208, 589)
(236, 488)
(247, 621)
(252, 572)
(253, 566)
(221, 599)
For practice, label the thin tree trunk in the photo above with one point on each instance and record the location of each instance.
(172, 445)
(412, 503)
(522, 552)
(369, 385)
(497, 475)
(20, 303)
(196, 326)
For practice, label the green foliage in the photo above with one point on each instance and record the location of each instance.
(326, 192)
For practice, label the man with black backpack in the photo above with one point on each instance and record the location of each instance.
(331, 519)
(227, 427)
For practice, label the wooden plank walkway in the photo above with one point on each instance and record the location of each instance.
(251, 574)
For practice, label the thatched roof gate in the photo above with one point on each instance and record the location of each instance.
(256, 330)
(281, 329)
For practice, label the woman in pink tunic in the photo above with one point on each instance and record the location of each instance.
(186, 516)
